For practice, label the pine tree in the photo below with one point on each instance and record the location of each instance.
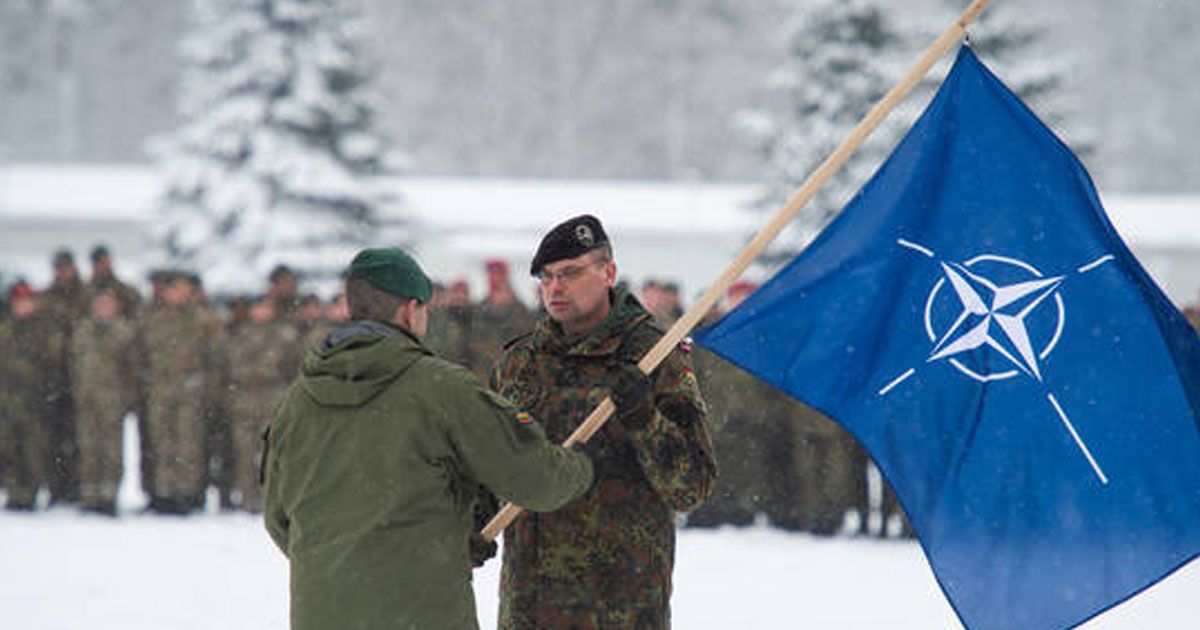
(273, 161)
(842, 57)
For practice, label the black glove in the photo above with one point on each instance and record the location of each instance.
(633, 394)
(594, 452)
(481, 550)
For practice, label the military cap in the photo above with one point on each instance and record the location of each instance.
(99, 251)
(571, 238)
(391, 270)
(279, 271)
(63, 257)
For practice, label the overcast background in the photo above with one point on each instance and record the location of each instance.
(637, 89)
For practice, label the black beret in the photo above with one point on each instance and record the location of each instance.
(99, 251)
(571, 238)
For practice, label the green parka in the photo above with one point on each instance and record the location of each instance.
(375, 457)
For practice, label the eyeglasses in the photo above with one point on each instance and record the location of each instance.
(567, 274)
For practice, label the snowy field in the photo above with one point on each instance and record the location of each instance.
(63, 571)
(60, 570)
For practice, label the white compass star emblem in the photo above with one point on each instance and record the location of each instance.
(984, 304)
(994, 315)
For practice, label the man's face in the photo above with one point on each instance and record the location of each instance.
(575, 291)
(24, 307)
(497, 279)
(283, 285)
(105, 306)
(176, 293)
(102, 266)
(65, 273)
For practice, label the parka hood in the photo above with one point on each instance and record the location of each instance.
(357, 361)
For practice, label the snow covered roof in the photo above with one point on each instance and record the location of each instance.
(457, 203)
(464, 203)
(1158, 220)
(77, 191)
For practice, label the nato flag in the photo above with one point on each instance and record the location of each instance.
(977, 324)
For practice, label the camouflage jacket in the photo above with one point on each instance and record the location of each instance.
(102, 355)
(180, 353)
(263, 355)
(29, 351)
(128, 297)
(605, 560)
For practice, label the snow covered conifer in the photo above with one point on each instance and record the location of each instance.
(272, 162)
(842, 57)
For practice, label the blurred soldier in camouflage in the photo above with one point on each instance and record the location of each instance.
(283, 291)
(499, 317)
(335, 313)
(28, 343)
(260, 355)
(102, 354)
(103, 277)
(65, 302)
(450, 321)
(180, 368)
(605, 560)
(751, 438)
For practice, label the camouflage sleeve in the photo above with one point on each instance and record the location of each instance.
(504, 449)
(674, 450)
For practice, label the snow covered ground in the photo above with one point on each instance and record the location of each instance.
(63, 571)
(60, 570)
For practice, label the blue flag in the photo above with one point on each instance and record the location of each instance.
(974, 320)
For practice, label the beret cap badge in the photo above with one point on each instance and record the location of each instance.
(584, 235)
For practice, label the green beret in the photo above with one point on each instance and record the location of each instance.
(391, 270)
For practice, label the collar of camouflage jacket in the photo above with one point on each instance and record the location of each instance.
(626, 314)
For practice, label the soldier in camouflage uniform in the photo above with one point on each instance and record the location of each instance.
(103, 277)
(180, 370)
(261, 355)
(283, 290)
(102, 351)
(823, 480)
(65, 302)
(752, 438)
(28, 343)
(605, 560)
(498, 318)
(450, 323)
(336, 313)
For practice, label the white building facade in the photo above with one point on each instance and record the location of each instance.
(672, 231)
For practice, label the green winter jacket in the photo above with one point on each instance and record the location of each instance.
(374, 460)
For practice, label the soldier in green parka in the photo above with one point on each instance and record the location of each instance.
(376, 456)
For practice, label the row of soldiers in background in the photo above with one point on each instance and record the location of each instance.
(77, 357)
(779, 460)
(203, 381)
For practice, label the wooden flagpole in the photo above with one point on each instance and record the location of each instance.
(782, 217)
